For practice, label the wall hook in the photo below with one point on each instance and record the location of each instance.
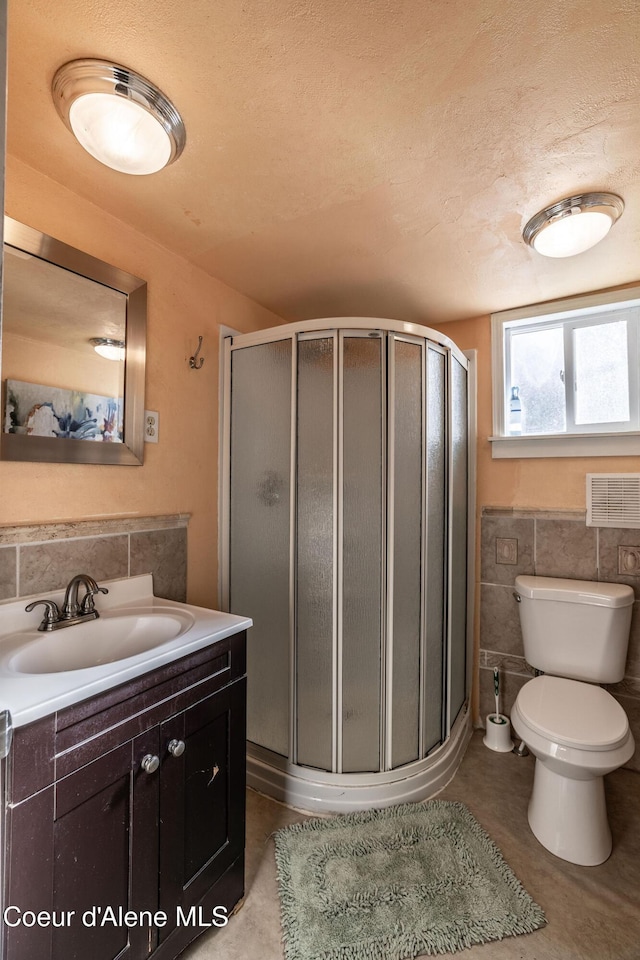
(193, 361)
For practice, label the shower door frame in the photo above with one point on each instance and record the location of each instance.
(455, 731)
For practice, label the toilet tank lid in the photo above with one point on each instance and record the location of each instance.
(575, 591)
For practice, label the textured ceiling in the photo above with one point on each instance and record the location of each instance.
(370, 158)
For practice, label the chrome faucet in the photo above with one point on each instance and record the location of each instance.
(72, 611)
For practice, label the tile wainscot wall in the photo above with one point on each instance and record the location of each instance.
(36, 559)
(547, 544)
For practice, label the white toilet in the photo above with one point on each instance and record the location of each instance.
(576, 730)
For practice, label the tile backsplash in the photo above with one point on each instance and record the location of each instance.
(547, 544)
(42, 557)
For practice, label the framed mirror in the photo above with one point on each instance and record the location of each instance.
(73, 354)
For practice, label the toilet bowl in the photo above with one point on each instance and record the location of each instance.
(578, 733)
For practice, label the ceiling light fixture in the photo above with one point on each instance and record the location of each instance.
(108, 348)
(120, 118)
(573, 225)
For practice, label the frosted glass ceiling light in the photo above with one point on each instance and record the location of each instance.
(573, 225)
(120, 118)
(108, 348)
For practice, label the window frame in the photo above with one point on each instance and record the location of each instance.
(616, 439)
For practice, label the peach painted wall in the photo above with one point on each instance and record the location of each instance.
(551, 484)
(180, 472)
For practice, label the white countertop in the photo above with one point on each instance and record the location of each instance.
(31, 696)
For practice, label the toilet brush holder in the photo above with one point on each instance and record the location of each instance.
(498, 733)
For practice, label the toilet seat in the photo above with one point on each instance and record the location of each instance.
(579, 715)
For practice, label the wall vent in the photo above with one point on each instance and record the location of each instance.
(613, 499)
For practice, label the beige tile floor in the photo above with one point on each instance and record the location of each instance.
(593, 913)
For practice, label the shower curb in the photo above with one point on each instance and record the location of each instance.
(411, 783)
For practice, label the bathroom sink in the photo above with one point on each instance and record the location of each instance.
(115, 636)
(136, 633)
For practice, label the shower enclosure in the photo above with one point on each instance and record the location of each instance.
(345, 507)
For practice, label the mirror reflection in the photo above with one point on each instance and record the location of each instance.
(61, 382)
(73, 349)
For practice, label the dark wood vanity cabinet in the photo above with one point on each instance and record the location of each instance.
(127, 807)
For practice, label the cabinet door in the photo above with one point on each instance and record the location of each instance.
(202, 798)
(28, 866)
(105, 848)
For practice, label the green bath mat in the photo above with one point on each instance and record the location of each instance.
(420, 878)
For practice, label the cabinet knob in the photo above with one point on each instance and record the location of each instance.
(150, 763)
(176, 747)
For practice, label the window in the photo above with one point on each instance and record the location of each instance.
(565, 378)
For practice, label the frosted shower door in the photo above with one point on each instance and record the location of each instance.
(459, 443)
(435, 605)
(315, 554)
(259, 545)
(362, 564)
(405, 522)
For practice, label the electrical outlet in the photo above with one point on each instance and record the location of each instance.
(151, 421)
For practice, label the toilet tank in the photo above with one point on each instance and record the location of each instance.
(575, 628)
